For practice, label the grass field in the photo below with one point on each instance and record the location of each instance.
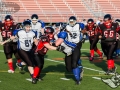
(53, 70)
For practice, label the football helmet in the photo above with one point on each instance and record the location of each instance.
(26, 23)
(72, 21)
(8, 20)
(107, 20)
(34, 18)
(49, 32)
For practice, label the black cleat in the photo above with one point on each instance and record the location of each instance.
(19, 66)
(77, 82)
(34, 80)
(39, 79)
(111, 71)
(91, 59)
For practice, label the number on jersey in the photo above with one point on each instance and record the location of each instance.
(109, 34)
(27, 43)
(6, 34)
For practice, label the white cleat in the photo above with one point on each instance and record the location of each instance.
(10, 71)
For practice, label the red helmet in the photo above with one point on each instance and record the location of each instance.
(8, 20)
(107, 20)
(90, 23)
(49, 32)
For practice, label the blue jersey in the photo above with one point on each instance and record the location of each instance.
(64, 36)
(42, 23)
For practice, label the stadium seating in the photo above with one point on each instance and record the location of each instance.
(60, 10)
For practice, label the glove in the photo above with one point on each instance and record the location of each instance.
(60, 48)
(83, 40)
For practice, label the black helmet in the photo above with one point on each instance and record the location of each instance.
(26, 23)
(48, 29)
(90, 21)
(72, 20)
(34, 16)
(8, 17)
(107, 17)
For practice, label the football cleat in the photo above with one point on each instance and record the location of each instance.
(77, 82)
(81, 74)
(39, 79)
(10, 71)
(111, 71)
(19, 66)
(91, 58)
(101, 56)
(34, 80)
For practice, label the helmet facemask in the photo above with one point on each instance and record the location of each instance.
(72, 22)
(8, 22)
(34, 21)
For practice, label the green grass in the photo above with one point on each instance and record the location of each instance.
(51, 74)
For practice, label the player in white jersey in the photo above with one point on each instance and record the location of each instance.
(26, 38)
(37, 25)
(60, 26)
(72, 52)
(74, 31)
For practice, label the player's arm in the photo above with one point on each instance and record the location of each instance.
(50, 47)
(15, 35)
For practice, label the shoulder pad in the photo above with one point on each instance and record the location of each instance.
(15, 31)
(62, 35)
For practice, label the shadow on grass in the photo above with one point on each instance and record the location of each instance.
(58, 70)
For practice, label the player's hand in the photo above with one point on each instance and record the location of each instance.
(83, 40)
(2, 43)
(100, 37)
(60, 48)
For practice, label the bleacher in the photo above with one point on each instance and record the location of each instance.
(60, 10)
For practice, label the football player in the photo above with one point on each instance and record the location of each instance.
(37, 25)
(108, 41)
(70, 37)
(92, 31)
(7, 28)
(40, 50)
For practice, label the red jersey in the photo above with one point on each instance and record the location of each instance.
(6, 31)
(41, 49)
(92, 31)
(109, 32)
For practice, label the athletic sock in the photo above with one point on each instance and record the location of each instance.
(18, 61)
(92, 52)
(113, 64)
(98, 51)
(36, 72)
(110, 64)
(10, 65)
(76, 73)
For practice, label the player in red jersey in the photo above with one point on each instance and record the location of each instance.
(10, 48)
(40, 50)
(92, 30)
(108, 32)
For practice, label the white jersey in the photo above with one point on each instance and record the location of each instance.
(75, 31)
(37, 27)
(25, 40)
(67, 50)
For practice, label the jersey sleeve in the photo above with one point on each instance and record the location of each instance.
(62, 35)
(15, 32)
(42, 23)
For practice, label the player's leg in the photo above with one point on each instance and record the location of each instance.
(104, 48)
(27, 58)
(76, 69)
(91, 50)
(8, 53)
(17, 56)
(110, 62)
(38, 62)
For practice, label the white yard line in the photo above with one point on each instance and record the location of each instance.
(64, 63)
(83, 67)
